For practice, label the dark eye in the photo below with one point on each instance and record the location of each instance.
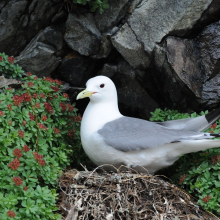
(102, 85)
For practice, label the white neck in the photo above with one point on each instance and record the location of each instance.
(98, 114)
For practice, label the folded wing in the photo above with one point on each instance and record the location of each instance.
(132, 134)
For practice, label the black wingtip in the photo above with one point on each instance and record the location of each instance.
(213, 116)
(214, 135)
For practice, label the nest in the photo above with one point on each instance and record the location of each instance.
(124, 196)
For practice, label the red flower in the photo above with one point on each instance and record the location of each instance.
(2, 113)
(10, 122)
(14, 164)
(35, 95)
(211, 131)
(11, 59)
(78, 118)
(21, 134)
(35, 77)
(17, 100)
(71, 135)
(215, 159)
(31, 116)
(71, 118)
(57, 81)
(49, 79)
(206, 199)
(18, 181)
(70, 107)
(25, 188)
(48, 107)
(26, 148)
(1, 58)
(29, 74)
(56, 96)
(214, 126)
(55, 89)
(11, 213)
(30, 84)
(17, 153)
(182, 178)
(50, 97)
(65, 95)
(44, 118)
(74, 130)
(42, 95)
(26, 97)
(24, 123)
(39, 159)
(62, 105)
(9, 88)
(56, 130)
(41, 126)
(37, 105)
(9, 107)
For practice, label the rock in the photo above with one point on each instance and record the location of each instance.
(183, 57)
(130, 48)
(108, 70)
(21, 20)
(209, 16)
(81, 34)
(193, 63)
(112, 15)
(8, 82)
(153, 20)
(209, 46)
(40, 55)
(75, 69)
(105, 47)
(211, 92)
(133, 99)
(171, 87)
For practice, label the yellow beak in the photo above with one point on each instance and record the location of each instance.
(84, 94)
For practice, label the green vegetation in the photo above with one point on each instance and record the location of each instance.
(8, 67)
(39, 137)
(94, 4)
(197, 173)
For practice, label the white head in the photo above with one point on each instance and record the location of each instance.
(99, 89)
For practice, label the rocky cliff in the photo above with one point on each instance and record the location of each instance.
(158, 53)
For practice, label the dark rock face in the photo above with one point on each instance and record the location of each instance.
(132, 97)
(153, 20)
(209, 45)
(82, 35)
(130, 48)
(76, 69)
(112, 15)
(158, 53)
(195, 63)
(41, 54)
(183, 57)
(21, 20)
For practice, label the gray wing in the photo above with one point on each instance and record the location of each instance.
(132, 134)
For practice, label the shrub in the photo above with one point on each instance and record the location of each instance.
(39, 137)
(8, 67)
(94, 4)
(198, 173)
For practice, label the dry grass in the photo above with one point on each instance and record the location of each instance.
(100, 195)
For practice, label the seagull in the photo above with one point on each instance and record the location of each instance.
(108, 137)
